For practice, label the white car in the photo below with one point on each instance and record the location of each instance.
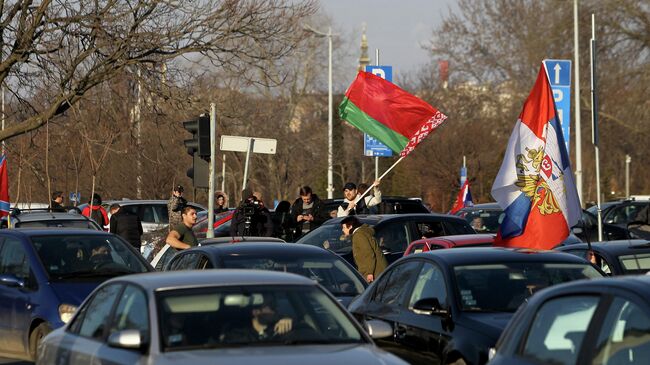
(214, 316)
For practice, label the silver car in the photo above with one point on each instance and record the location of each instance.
(205, 317)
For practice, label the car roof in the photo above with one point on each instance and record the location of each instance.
(492, 255)
(29, 232)
(639, 284)
(167, 280)
(235, 239)
(461, 239)
(614, 247)
(26, 216)
(483, 206)
(376, 219)
(262, 249)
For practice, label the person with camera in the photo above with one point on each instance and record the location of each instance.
(306, 212)
(251, 218)
(175, 205)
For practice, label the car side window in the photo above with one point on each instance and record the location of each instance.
(160, 210)
(623, 338)
(14, 260)
(394, 237)
(96, 313)
(430, 284)
(429, 229)
(204, 263)
(187, 261)
(396, 288)
(453, 227)
(148, 214)
(556, 333)
(132, 312)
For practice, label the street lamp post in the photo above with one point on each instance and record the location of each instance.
(330, 154)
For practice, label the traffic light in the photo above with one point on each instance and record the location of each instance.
(200, 142)
(199, 172)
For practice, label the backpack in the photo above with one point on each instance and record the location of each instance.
(97, 216)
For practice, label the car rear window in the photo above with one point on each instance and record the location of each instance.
(58, 223)
(635, 264)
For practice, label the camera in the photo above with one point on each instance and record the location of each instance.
(249, 208)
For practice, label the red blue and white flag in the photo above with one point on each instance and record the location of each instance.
(535, 185)
(4, 187)
(463, 199)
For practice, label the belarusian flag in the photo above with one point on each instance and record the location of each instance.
(394, 117)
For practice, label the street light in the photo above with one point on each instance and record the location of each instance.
(330, 169)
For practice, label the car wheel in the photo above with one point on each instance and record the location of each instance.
(35, 338)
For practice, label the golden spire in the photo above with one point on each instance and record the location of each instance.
(364, 60)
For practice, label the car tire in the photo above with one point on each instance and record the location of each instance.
(35, 338)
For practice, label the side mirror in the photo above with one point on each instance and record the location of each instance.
(577, 230)
(11, 281)
(429, 306)
(127, 339)
(378, 329)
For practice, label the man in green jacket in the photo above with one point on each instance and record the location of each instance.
(365, 249)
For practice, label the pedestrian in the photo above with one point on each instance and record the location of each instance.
(221, 204)
(349, 207)
(307, 212)
(96, 212)
(373, 198)
(367, 254)
(282, 224)
(175, 205)
(126, 225)
(56, 205)
(181, 236)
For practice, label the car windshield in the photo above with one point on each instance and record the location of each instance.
(638, 264)
(483, 220)
(74, 257)
(248, 315)
(59, 223)
(330, 272)
(329, 236)
(516, 282)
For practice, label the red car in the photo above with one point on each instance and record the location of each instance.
(435, 243)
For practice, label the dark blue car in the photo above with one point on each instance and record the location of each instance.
(45, 274)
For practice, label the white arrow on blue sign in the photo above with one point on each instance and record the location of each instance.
(559, 76)
(371, 146)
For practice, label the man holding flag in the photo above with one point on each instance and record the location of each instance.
(535, 184)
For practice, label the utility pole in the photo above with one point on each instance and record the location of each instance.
(576, 87)
(628, 159)
(594, 123)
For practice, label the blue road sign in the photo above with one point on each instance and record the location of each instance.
(559, 76)
(371, 146)
(75, 197)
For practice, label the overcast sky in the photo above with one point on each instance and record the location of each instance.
(398, 28)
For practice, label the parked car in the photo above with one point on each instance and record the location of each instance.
(603, 321)
(153, 213)
(393, 232)
(46, 274)
(328, 269)
(627, 257)
(46, 219)
(616, 215)
(490, 215)
(450, 306)
(206, 317)
(388, 205)
(463, 240)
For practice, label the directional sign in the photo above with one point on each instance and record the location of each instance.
(371, 146)
(75, 197)
(241, 144)
(559, 75)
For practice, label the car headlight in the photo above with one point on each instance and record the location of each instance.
(66, 311)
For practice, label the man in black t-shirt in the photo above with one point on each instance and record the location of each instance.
(181, 236)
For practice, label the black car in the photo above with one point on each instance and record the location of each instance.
(627, 257)
(450, 306)
(320, 265)
(489, 215)
(604, 321)
(394, 232)
(43, 218)
(616, 216)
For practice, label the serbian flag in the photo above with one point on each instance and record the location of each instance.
(4, 187)
(391, 115)
(463, 199)
(535, 184)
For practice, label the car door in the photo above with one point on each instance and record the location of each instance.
(148, 218)
(423, 332)
(86, 336)
(388, 303)
(393, 238)
(15, 302)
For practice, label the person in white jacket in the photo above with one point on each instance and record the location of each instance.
(363, 205)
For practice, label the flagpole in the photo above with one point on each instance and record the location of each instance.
(359, 197)
(594, 123)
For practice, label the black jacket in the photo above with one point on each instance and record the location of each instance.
(127, 226)
(261, 224)
(317, 211)
(56, 207)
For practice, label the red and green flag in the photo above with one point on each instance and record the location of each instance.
(391, 115)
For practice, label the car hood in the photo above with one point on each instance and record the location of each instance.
(74, 293)
(488, 324)
(357, 354)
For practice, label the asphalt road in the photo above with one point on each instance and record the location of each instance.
(6, 361)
